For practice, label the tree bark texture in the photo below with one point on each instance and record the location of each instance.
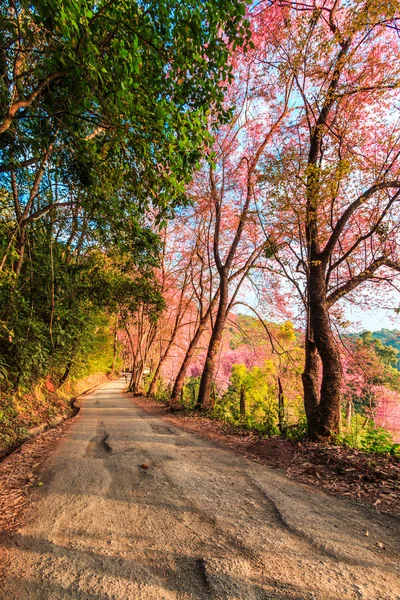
(323, 408)
(207, 378)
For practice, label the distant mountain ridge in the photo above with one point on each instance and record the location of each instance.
(388, 337)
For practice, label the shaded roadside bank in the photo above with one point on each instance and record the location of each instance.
(23, 416)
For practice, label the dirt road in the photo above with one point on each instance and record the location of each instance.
(199, 522)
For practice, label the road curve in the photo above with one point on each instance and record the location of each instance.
(133, 508)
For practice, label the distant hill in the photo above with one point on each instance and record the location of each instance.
(388, 337)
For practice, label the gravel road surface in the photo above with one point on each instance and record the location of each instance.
(132, 508)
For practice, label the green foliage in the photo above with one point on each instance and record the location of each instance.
(387, 353)
(260, 399)
(287, 331)
(366, 436)
(297, 431)
(54, 324)
(116, 102)
(3, 371)
(132, 88)
(379, 441)
(190, 392)
(163, 392)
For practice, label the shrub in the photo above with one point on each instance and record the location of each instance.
(297, 431)
(379, 441)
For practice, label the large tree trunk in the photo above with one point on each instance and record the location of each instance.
(325, 421)
(180, 378)
(310, 379)
(207, 378)
(135, 384)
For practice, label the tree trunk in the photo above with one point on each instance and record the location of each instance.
(66, 373)
(281, 407)
(328, 411)
(135, 385)
(242, 406)
(207, 378)
(20, 250)
(311, 390)
(133, 364)
(178, 318)
(132, 377)
(180, 378)
(115, 349)
(213, 396)
(156, 376)
(349, 412)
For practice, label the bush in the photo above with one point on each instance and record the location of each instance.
(163, 392)
(379, 441)
(297, 431)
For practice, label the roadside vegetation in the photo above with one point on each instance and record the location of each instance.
(263, 394)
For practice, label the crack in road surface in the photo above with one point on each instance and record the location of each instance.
(135, 509)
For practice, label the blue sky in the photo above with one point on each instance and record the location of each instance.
(360, 318)
(373, 319)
